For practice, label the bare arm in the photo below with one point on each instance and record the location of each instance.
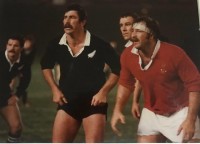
(123, 95)
(58, 96)
(136, 98)
(57, 73)
(194, 102)
(188, 126)
(101, 96)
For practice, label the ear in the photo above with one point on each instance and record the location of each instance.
(151, 35)
(84, 23)
(21, 49)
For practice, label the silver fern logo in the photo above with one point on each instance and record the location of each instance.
(19, 68)
(91, 55)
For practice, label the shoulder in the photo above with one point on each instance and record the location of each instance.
(172, 52)
(56, 39)
(98, 40)
(100, 45)
(127, 55)
(171, 48)
(54, 42)
(127, 51)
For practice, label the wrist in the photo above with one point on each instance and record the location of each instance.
(136, 102)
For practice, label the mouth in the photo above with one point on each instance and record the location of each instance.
(125, 34)
(67, 28)
(13, 52)
(135, 43)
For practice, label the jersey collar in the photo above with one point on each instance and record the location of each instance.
(135, 51)
(63, 41)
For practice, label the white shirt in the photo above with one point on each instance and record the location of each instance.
(128, 44)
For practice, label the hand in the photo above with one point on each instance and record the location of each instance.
(136, 110)
(98, 99)
(117, 116)
(13, 100)
(188, 128)
(58, 97)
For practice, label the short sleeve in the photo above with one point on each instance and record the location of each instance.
(126, 77)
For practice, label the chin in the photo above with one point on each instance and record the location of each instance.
(136, 44)
(11, 55)
(12, 58)
(126, 38)
(67, 31)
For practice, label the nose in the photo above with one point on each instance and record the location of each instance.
(66, 20)
(123, 28)
(133, 34)
(12, 47)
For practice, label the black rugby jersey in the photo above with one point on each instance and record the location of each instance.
(81, 75)
(7, 73)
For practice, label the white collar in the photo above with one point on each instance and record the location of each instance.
(63, 41)
(128, 44)
(135, 51)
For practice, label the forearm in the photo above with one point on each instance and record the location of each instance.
(109, 84)
(194, 102)
(122, 98)
(137, 92)
(48, 75)
(13, 84)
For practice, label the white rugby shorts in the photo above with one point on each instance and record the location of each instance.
(155, 124)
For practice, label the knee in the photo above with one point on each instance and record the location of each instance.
(195, 141)
(151, 139)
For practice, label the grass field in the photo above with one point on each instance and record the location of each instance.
(38, 119)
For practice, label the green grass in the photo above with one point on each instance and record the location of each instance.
(38, 119)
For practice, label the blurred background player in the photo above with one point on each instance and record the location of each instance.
(10, 63)
(126, 26)
(126, 22)
(24, 77)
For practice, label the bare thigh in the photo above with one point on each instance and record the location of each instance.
(151, 139)
(94, 127)
(65, 128)
(12, 116)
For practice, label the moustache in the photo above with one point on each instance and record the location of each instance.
(134, 39)
(68, 26)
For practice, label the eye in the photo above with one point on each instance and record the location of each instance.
(137, 30)
(128, 24)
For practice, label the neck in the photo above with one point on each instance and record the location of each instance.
(76, 39)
